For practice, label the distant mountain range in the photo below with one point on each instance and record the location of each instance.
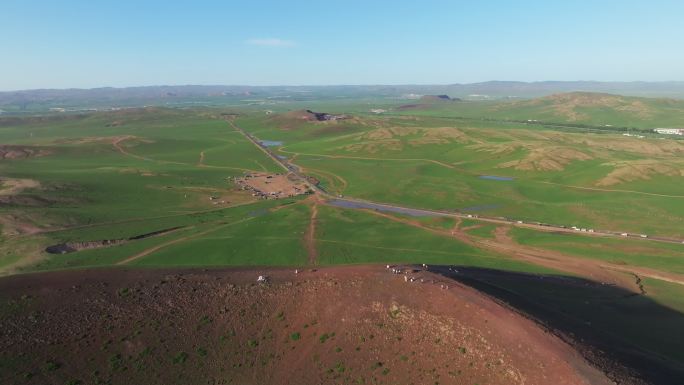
(40, 99)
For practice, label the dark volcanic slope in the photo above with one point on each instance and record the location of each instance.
(338, 325)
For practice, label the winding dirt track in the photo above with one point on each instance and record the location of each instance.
(502, 237)
(310, 237)
(613, 190)
(116, 143)
(437, 162)
(217, 226)
(331, 177)
(178, 240)
(473, 227)
(599, 271)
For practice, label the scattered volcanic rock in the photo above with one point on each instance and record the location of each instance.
(359, 324)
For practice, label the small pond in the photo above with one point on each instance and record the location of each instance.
(494, 177)
(271, 143)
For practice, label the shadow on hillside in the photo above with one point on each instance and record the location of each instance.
(631, 337)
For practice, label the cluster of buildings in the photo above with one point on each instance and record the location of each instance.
(324, 116)
(582, 229)
(669, 131)
(265, 186)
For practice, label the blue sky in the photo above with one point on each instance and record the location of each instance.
(61, 44)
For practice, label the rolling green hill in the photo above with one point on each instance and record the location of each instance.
(576, 108)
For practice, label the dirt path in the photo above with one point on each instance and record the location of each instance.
(613, 190)
(310, 237)
(589, 268)
(178, 240)
(457, 225)
(13, 186)
(13, 225)
(511, 222)
(583, 266)
(554, 260)
(263, 168)
(133, 220)
(328, 175)
(437, 162)
(454, 232)
(388, 248)
(117, 145)
(192, 236)
(473, 227)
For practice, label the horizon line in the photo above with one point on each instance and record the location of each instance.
(338, 85)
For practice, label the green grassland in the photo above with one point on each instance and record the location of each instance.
(262, 238)
(382, 240)
(256, 234)
(575, 108)
(605, 181)
(120, 174)
(193, 229)
(96, 191)
(84, 166)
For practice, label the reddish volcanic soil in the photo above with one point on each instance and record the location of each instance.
(331, 326)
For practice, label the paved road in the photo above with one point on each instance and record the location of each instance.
(364, 204)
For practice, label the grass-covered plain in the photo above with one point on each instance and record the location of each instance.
(119, 175)
(601, 180)
(115, 175)
(345, 236)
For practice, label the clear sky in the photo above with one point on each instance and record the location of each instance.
(61, 44)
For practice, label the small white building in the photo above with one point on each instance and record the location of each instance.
(669, 131)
